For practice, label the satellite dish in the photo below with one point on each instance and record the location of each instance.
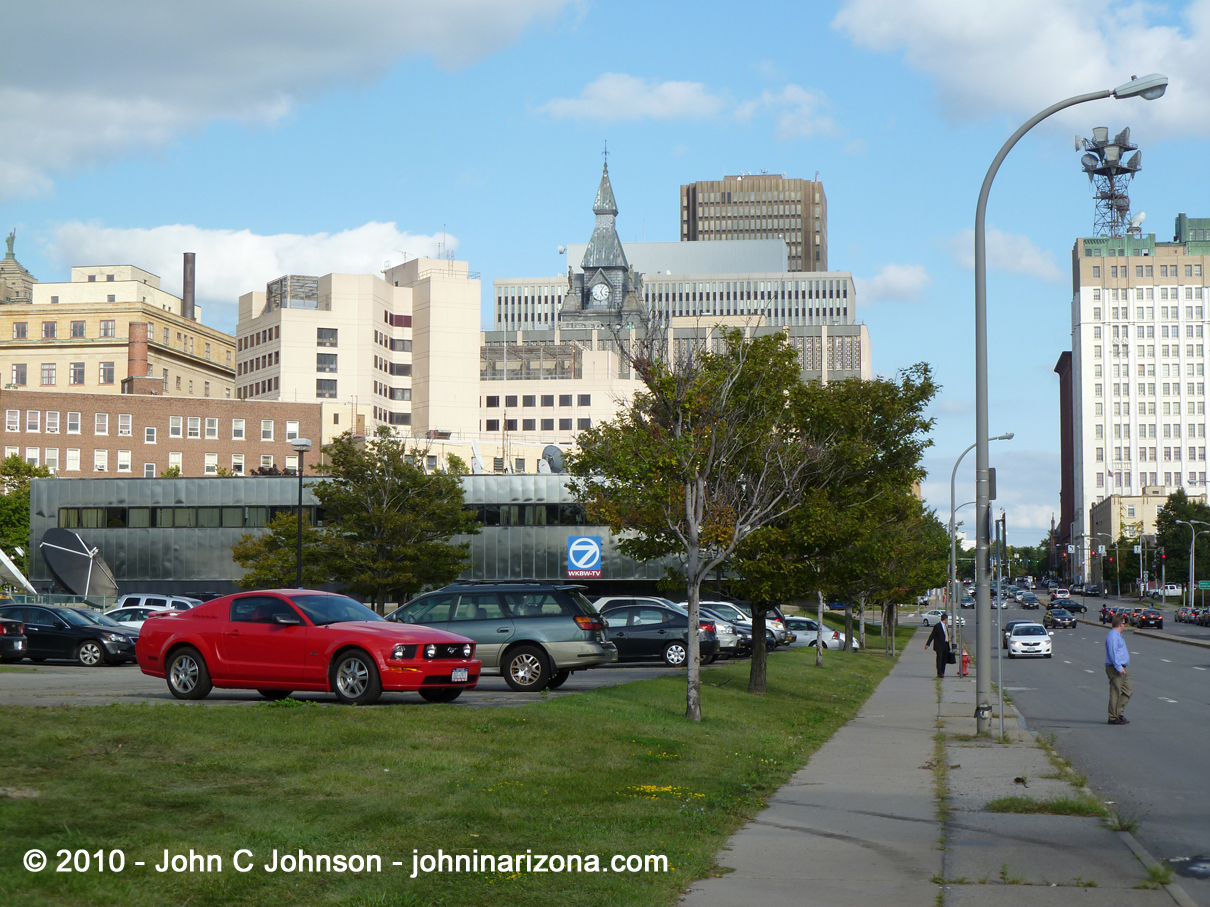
(1137, 220)
(1100, 134)
(10, 573)
(543, 468)
(1123, 137)
(1078, 142)
(1090, 161)
(562, 250)
(552, 456)
(76, 566)
(1135, 162)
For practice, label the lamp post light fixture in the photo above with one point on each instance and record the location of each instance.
(301, 446)
(1192, 551)
(1148, 87)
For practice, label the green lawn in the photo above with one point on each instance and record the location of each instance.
(613, 771)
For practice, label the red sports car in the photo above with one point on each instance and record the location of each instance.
(280, 640)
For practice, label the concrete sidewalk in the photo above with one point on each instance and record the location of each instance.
(862, 824)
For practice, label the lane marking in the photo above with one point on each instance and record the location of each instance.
(1196, 668)
(1166, 699)
(1066, 662)
(1167, 660)
(1087, 671)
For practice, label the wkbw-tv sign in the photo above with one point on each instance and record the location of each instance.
(584, 557)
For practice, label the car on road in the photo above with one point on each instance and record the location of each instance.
(1172, 590)
(657, 632)
(1060, 592)
(12, 640)
(64, 633)
(966, 601)
(535, 634)
(1059, 618)
(1149, 617)
(928, 618)
(1029, 600)
(1068, 604)
(280, 640)
(1093, 589)
(1029, 639)
(1007, 630)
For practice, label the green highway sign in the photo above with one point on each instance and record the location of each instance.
(1203, 583)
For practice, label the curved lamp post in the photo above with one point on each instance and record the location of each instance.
(1007, 436)
(301, 446)
(1192, 550)
(1148, 87)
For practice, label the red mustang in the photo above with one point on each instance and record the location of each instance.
(280, 640)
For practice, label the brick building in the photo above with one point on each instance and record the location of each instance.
(90, 435)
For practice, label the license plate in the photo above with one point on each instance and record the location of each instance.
(21, 644)
(458, 675)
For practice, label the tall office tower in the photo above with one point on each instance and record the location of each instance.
(1138, 369)
(760, 206)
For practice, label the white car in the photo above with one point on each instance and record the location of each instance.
(1029, 639)
(807, 629)
(1060, 593)
(931, 617)
(736, 615)
(134, 617)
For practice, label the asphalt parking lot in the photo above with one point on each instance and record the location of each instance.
(63, 684)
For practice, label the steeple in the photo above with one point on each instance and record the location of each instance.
(604, 202)
(605, 248)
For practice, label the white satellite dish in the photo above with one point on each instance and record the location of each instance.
(562, 250)
(1137, 220)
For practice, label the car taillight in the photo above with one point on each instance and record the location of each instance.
(12, 629)
(835, 634)
(707, 626)
(585, 622)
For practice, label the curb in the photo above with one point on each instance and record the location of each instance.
(1151, 634)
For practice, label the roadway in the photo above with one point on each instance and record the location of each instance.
(1150, 769)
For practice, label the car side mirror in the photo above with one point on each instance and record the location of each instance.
(60, 624)
(291, 620)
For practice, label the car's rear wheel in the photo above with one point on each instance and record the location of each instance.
(709, 659)
(675, 654)
(526, 669)
(187, 675)
(275, 695)
(445, 694)
(558, 680)
(355, 679)
(90, 653)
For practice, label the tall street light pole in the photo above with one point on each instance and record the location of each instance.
(301, 446)
(1149, 87)
(1192, 551)
(1007, 436)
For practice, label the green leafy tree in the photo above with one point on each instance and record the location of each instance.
(15, 475)
(389, 523)
(270, 559)
(1174, 536)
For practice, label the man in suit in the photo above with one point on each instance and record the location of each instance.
(939, 639)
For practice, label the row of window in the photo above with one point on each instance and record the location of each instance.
(1170, 429)
(1148, 351)
(256, 363)
(390, 418)
(1169, 389)
(529, 400)
(325, 388)
(394, 344)
(1171, 479)
(385, 365)
(49, 457)
(1149, 294)
(1191, 270)
(49, 373)
(256, 338)
(1147, 313)
(178, 426)
(529, 514)
(1147, 370)
(50, 329)
(178, 517)
(1149, 453)
(532, 424)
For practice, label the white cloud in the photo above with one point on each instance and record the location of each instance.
(1017, 58)
(901, 283)
(89, 82)
(616, 96)
(1006, 252)
(233, 262)
(1027, 488)
(800, 112)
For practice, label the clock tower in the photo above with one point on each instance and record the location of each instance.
(607, 290)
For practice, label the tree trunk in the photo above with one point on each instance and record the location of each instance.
(693, 682)
(758, 672)
(861, 622)
(893, 618)
(819, 631)
(848, 626)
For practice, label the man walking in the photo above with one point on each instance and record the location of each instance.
(1117, 669)
(939, 639)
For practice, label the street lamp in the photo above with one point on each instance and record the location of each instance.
(301, 446)
(1007, 436)
(1117, 564)
(1148, 87)
(1192, 549)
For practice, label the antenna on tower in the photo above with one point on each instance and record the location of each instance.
(1110, 173)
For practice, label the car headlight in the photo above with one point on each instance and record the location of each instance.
(114, 637)
(467, 650)
(430, 651)
(403, 653)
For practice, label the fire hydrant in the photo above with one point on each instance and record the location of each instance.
(966, 660)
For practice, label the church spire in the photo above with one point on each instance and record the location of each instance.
(604, 202)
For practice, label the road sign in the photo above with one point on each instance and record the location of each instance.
(1145, 576)
(584, 557)
(1138, 549)
(1203, 583)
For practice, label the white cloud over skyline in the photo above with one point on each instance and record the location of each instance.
(897, 283)
(616, 96)
(1011, 252)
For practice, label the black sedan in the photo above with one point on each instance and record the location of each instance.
(65, 633)
(1058, 618)
(654, 632)
(12, 640)
(1150, 618)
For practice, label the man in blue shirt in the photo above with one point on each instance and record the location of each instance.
(1117, 669)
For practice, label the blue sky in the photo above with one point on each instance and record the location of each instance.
(303, 137)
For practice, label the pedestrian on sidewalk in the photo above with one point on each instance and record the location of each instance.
(1117, 669)
(939, 639)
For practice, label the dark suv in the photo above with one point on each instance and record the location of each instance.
(534, 634)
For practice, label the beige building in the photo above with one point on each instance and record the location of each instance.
(399, 352)
(75, 336)
(760, 206)
(16, 283)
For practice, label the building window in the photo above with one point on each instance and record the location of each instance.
(20, 330)
(266, 461)
(52, 458)
(291, 430)
(123, 461)
(237, 464)
(582, 424)
(565, 425)
(77, 329)
(492, 402)
(237, 429)
(106, 373)
(207, 351)
(325, 336)
(108, 328)
(100, 461)
(211, 464)
(148, 470)
(75, 374)
(73, 459)
(529, 400)
(33, 420)
(195, 427)
(510, 400)
(100, 424)
(48, 373)
(325, 388)
(174, 459)
(52, 423)
(176, 425)
(212, 429)
(124, 424)
(548, 425)
(19, 374)
(73, 423)
(206, 389)
(178, 382)
(529, 424)
(325, 362)
(50, 330)
(266, 430)
(492, 425)
(292, 464)
(565, 400)
(149, 435)
(33, 455)
(548, 399)
(12, 420)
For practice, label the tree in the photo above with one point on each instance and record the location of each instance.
(1174, 538)
(388, 522)
(701, 458)
(270, 559)
(15, 475)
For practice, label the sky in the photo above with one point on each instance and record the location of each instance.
(304, 137)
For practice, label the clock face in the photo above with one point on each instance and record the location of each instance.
(600, 292)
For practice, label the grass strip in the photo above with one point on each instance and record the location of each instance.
(1055, 806)
(617, 770)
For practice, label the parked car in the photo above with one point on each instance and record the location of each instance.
(730, 645)
(53, 632)
(102, 620)
(1149, 617)
(1029, 600)
(157, 602)
(12, 640)
(133, 618)
(1060, 592)
(1182, 614)
(1029, 639)
(931, 617)
(807, 630)
(657, 632)
(741, 615)
(1172, 590)
(280, 640)
(1058, 618)
(534, 634)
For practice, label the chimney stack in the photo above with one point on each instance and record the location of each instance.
(187, 286)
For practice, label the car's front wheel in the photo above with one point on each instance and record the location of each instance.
(526, 670)
(187, 675)
(355, 679)
(90, 653)
(444, 694)
(675, 654)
